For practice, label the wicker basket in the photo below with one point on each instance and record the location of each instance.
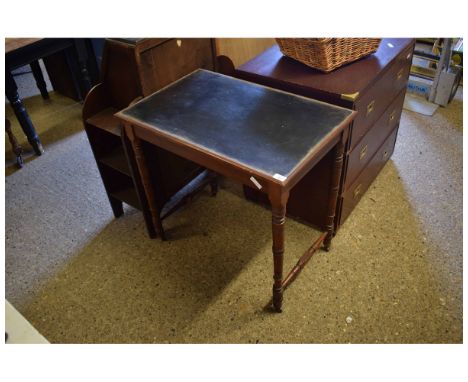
(327, 54)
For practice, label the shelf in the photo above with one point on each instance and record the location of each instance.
(117, 160)
(128, 196)
(419, 71)
(106, 120)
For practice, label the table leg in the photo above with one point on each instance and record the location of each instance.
(333, 194)
(40, 82)
(145, 180)
(278, 199)
(13, 97)
(82, 55)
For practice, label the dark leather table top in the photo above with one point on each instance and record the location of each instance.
(261, 128)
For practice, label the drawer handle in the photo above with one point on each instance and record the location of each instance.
(385, 154)
(370, 107)
(179, 43)
(357, 191)
(392, 116)
(363, 152)
(408, 56)
(400, 73)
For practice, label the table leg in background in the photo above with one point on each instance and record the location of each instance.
(82, 55)
(11, 91)
(38, 76)
(333, 193)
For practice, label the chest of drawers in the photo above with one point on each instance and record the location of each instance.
(374, 86)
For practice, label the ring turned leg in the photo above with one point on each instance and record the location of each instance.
(278, 201)
(333, 194)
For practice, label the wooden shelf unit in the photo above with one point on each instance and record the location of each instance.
(132, 69)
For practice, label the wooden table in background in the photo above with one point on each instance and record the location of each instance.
(27, 51)
(260, 137)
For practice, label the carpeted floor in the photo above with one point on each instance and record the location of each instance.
(394, 274)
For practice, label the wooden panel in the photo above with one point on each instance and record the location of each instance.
(120, 73)
(354, 193)
(240, 50)
(60, 75)
(370, 143)
(172, 60)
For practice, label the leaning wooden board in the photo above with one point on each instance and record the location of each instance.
(373, 86)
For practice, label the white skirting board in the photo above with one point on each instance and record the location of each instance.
(19, 330)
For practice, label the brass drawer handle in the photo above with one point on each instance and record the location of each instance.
(179, 43)
(357, 191)
(392, 116)
(385, 155)
(363, 152)
(400, 73)
(370, 107)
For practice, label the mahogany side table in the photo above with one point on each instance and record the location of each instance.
(261, 137)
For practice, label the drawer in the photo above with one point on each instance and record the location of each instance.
(172, 60)
(360, 156)
(376, 99)
(354, 193)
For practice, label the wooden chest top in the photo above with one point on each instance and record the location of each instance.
(349, 79)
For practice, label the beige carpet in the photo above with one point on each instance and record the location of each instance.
(394, 274)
